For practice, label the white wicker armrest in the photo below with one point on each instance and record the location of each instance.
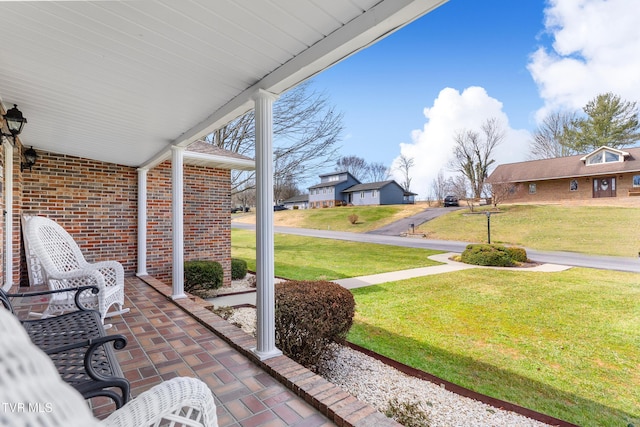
(186, 401)
(112, 270)
(94, 274)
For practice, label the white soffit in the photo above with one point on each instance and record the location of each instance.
(121, 81)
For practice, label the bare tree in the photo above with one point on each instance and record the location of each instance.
(441, 187)
(306, 131)
(285, 187)
(502, 191)
(356, 166)
(473, 151)
(404, 167)
(245, 196)
(378, 172)
(553, 137)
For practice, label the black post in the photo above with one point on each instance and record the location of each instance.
(488, 226)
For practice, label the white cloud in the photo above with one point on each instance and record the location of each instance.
(452, 111)
(595, 50)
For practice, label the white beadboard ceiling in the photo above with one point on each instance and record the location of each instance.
(121, 81)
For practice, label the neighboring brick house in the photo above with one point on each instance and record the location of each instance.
(342, 188)
(605, 172)
(97, 203)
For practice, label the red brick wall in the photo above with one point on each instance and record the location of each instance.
(207, 218)
(558, 190)
(96, 203)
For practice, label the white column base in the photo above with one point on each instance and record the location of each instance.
(264, 355)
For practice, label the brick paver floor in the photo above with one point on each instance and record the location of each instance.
(164, 342)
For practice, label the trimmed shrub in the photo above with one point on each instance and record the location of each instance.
(353, 219)
(309, 316)
(238, 268)
(201, 276)
(517, 254)
(482, 254)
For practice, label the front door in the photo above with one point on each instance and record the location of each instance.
(604, 187)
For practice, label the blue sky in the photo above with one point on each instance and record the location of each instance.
(510, 59)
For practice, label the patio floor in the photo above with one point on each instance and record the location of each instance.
(183, 338)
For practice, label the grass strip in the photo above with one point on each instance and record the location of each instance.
(565, 344)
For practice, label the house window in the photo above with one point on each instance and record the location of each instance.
(573, 186)
(362, 194)
(532, 188)
(595, 159)
(604, 157)
(611, 157)
(374, 194)
(334, 178)
(636, 180)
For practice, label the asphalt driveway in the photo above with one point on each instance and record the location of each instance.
(404, 225)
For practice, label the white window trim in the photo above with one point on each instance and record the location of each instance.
(587, 159)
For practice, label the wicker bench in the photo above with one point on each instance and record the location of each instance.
(79, 347)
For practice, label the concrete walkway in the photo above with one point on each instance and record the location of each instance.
(376, 279)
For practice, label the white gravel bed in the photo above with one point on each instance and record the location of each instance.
(376, 383)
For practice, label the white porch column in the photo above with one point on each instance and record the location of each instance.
(177, 197)
(265, 299)
(8, 214)
(142, 222)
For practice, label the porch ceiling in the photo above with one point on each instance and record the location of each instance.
(120, 81)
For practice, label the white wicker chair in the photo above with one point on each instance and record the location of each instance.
(64, 266)
(33, 394)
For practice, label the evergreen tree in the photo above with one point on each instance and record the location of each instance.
(610, 121)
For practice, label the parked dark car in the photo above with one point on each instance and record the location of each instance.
(279, 208)
(236, 210)
(451, 201)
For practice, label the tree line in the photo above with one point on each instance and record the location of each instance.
(307, 130)
(606, 120)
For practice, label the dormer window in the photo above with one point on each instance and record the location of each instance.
(604, 155)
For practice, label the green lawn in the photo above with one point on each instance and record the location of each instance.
(369, 217)
(337, 219)
(306, 258)
(565, 344)
(597, 230)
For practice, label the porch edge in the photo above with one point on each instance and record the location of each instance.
(329, 399)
